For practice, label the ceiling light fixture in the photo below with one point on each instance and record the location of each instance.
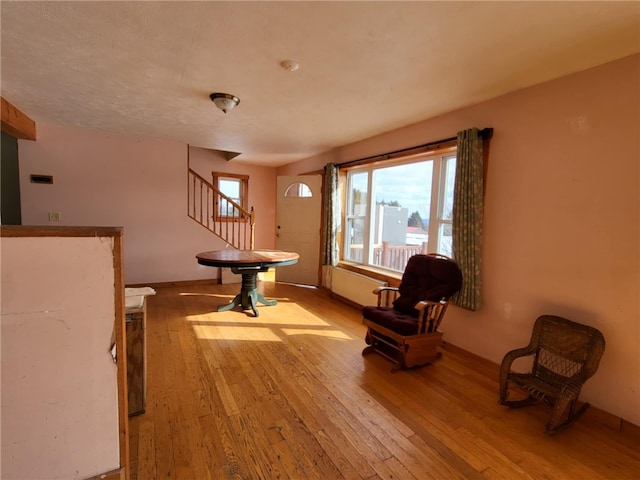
(289, 65)
(224, 101)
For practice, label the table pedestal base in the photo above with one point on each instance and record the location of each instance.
(249, 296)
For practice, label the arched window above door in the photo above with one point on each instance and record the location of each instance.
(298, 189)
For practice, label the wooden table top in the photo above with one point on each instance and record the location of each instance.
(246, 258)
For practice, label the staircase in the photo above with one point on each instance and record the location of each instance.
(219, 214)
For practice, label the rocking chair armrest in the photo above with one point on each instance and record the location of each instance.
(430, 315)
(382, 288)
(391, 294)
(422, 304)
(510, 357)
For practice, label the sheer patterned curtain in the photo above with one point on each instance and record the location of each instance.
(467, 217)
(331, 206)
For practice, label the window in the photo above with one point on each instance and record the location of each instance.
(298, 189)
(399, 209)
(234, 190)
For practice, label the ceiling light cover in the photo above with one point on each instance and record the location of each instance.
(224, 101)
(290, 65)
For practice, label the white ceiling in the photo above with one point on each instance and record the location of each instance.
(147, 68)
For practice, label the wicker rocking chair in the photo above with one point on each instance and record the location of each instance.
(565, 355)
(403, 326)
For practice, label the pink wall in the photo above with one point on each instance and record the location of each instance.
(561, 232)
(103, 179)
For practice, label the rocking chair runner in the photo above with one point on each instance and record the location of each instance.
(403, 327)
(565, 355)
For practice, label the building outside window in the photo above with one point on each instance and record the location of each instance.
(396, 210)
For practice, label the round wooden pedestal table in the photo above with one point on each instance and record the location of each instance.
(247, 263)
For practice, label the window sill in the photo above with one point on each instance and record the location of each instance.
(392, 278)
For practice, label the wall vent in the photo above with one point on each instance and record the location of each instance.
(44, 179)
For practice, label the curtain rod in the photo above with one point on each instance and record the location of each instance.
(484, 133)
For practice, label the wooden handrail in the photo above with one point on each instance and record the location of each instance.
(204, 201)
(202, 179)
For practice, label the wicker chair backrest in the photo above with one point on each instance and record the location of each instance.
(565, 349)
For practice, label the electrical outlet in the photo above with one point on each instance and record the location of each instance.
(54, 216)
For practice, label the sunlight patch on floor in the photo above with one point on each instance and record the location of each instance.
(336, 334)
(213, 295)
(272, 325)
(225, 295)
(225, 332)
(245, 317)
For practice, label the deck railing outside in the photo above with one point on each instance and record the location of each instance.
(387, 256)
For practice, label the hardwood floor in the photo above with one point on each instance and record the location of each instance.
(288, 395)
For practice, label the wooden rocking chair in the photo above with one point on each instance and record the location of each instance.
(403, 326)
(565, 355)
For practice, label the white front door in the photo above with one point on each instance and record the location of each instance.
(298, 213)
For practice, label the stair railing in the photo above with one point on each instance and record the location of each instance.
(220, 214)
